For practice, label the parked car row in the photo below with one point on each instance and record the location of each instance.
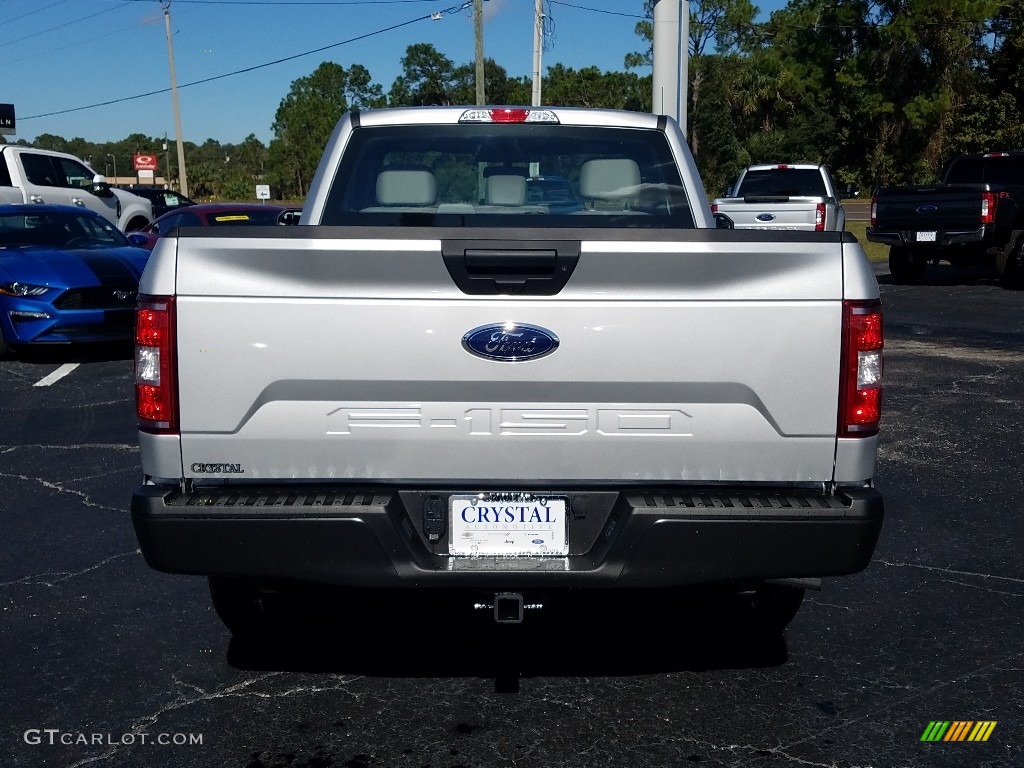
(163, 200)
(209, 215)
(68, 274)
(41, 176)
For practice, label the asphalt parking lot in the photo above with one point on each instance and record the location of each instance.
(108, 663)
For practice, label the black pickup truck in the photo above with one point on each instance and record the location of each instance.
(974, 217)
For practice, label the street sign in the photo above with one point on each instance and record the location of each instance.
(6, 119)
(262, 191)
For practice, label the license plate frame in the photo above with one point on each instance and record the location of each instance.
(927, 236)
(508, 524)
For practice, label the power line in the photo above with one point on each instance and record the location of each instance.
(91, 40)
(294, 2)
(435, 15)
(597, 10)
(59, 26)
(30, 13)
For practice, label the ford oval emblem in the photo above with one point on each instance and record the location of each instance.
(766, 217)
(537, 541)
(928, 208)
(510, 342)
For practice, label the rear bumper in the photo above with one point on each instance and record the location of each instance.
(942, 237)
(373, 537)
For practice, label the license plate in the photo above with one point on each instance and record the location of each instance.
(926, 237)
(507, 524)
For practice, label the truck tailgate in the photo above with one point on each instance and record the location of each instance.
(794, 214)
(696, 356)
(929, 207)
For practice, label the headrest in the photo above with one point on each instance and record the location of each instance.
(609, 178)
(506, 190)
(406, 187)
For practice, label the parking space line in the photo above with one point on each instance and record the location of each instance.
(56, 376)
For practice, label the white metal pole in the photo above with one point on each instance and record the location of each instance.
(670, 74)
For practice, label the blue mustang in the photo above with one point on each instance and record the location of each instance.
(66, 275)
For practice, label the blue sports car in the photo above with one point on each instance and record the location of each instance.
(66, 275)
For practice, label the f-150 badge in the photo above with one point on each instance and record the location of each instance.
(510, 342)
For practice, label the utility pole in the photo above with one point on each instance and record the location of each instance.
(538, 44)
(183, 186)
(167, 155)
(478, 29)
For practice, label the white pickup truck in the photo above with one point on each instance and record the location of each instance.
(435, 383)
(793, 196)
(29, 175)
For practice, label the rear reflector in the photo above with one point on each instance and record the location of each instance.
(860, 387)
(156, 381)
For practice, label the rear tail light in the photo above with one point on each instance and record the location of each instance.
(874, 211)
(989, 202)
(156, 379)
(819, 217)
(714, 207)
(860, 387)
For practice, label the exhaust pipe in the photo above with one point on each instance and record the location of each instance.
(812, 584)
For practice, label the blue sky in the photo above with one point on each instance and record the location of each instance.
(57, 55)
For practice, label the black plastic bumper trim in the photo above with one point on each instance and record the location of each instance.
(646, 538)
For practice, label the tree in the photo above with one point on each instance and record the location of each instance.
(719, 25)
(499, 87)
(427, 78)
(722, 156)
(590, 87)
(305, 119)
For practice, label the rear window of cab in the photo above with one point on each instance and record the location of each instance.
(541, 175)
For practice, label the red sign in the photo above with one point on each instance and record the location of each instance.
(145, 162)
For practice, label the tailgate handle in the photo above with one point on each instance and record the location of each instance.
(481, 261)
(521, 267)
(766, 198)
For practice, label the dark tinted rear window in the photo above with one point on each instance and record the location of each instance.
(987, 170)
(479, 175)
(790, 182)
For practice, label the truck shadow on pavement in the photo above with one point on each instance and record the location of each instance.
(595, 635)
(946, 274)
(59, 354)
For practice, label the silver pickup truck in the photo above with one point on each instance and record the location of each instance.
(789, 196)
(437, 383)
